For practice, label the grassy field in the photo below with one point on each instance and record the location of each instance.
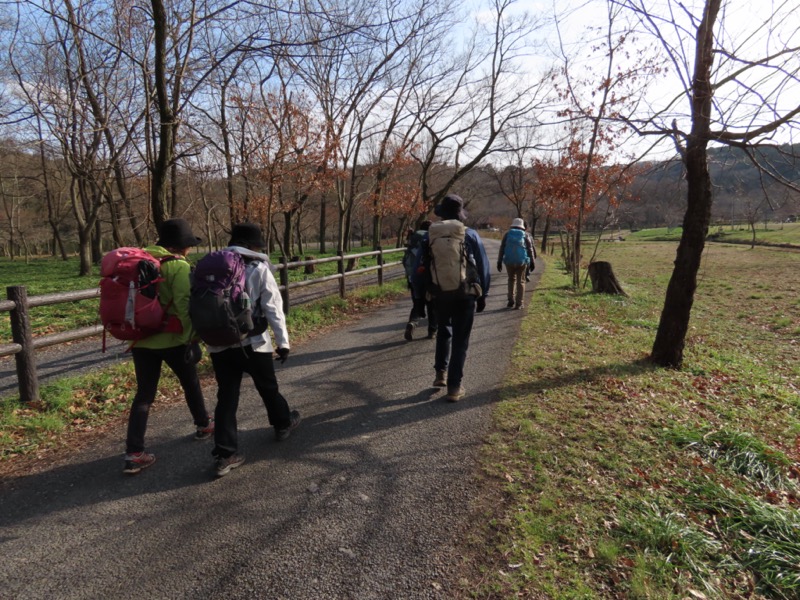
(609, 478)
(773, 233)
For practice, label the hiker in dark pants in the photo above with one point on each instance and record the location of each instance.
(420, 305)
(517, 254)
(455, 313)
(172, 346)
(253, 356)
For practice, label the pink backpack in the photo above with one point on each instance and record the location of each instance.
(129, 304)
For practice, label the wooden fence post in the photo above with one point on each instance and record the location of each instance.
(21, 334)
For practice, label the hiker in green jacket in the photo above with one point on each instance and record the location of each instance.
(175, 345)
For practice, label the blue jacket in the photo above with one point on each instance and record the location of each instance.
(476, 252)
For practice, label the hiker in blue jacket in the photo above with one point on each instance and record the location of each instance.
(455, 313)
(517, 254)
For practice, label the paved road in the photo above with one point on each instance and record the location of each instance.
(368, 499)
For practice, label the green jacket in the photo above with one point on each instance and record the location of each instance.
(174, 295)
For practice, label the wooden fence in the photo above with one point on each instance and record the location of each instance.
(24, 344)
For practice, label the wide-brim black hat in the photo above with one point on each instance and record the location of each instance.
(451, 207)
(176, 233)
(247, 235)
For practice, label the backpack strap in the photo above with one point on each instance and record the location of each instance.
(172, 321)
(172, 257)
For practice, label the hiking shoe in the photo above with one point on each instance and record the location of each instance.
(282, 434)
(223, 466)
(409, 334)
(203, 433)
(441, 379)
(431, 334)
(518, 307)
(136, 461)
(510, 304)
(454, 394)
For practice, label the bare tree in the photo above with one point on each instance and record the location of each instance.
(515, 177)
(595, 97)
(462, 112)
(738, 76)
(366, 58)
(49, 64)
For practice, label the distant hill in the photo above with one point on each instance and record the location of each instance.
(741, 191)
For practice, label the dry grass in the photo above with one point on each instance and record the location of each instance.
(594, 482)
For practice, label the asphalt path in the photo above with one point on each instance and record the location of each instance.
(370, 498)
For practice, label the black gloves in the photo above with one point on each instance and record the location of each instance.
(283, 354)
(480, 304)
(192, 354)
(499, 267)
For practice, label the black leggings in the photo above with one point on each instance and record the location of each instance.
(147, 364)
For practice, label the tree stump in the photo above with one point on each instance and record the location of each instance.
(352, 264)
(603, 279)
(309, 269)
(295, 259)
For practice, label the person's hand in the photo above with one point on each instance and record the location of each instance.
(193, 353)
(283, 354)
(480, 304)
(499, 267)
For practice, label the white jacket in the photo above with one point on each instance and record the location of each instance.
(266, 300)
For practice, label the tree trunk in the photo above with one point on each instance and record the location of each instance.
(603, 279)
(545, 233)
(298, 233)
(376, 231)
(158, 191)
(84, 252)
(97, 243)
(288, 246)
(323, 218)
(674, 324)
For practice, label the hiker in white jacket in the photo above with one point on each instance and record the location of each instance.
(253, 355)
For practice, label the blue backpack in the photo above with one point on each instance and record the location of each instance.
(412, 251)
(515, 252)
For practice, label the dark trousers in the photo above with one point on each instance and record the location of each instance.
(229, 366)
(147, 365)
(452, 337)
(418, 310)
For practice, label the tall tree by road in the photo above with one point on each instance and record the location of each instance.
(738, 68)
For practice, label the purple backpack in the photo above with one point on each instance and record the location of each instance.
(219, 306)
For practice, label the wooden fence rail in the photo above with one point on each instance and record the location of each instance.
(24, 344)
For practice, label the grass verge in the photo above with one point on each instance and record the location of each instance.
(610, 478)
(76, 407)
